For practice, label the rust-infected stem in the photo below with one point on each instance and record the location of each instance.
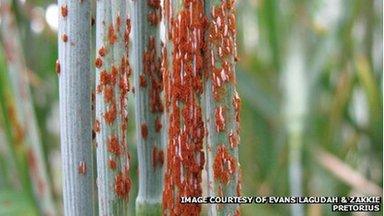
(148, 107)
(74, 71)
(222, 104)
(112, 86)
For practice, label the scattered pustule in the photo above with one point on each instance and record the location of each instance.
(143, 82)
(112, 164)
(110, 115)
(157, 157)
(64, 10)
(102, 51)
(113, 145)
(219, 119)
(144, 130)
(108, 94)
(98, 62)
(57, 66)
(64, 37)
(111, 35)
(158, 125)
(224, 165)
(122, 185)
(82, 168)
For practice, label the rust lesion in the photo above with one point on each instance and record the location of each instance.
(64, 10)
(122, 185)
(82, 168)
(224, 165)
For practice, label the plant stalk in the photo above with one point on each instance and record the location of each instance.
(148, 105)
(24, 110)
(73, 68)
(222, 106)
(112, 86)
(183, 91)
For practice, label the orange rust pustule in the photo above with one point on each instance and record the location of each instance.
(113, 145)
(108, 94)
(102, 51)
(144, 130)
(143, 81)
(64, 10)
(57, 67)
(157, 157)
(152, 70)
(82, 168)
(122, 185)
(219, 119)
(236, 102)
(154, 15)
(112, 164)
(110, 115)
(98, 62)
(183, 87)
(64, 37)
(112, 37)
(224, 165)
(158, 125)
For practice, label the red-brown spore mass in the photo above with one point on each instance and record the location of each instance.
(219, 119)
(112, 164)
(144, 131)
(224, 165)
(122, 185)
(157, 157)
(112, 37)
(158, 125)
(64, 37)
(113, 145)
(110, 115)
(98, 62)
(102, 51)
(64, 10)
(82, 168)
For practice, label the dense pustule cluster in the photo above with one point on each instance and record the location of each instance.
(184, 86)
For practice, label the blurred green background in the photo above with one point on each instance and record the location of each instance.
(310, 79)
